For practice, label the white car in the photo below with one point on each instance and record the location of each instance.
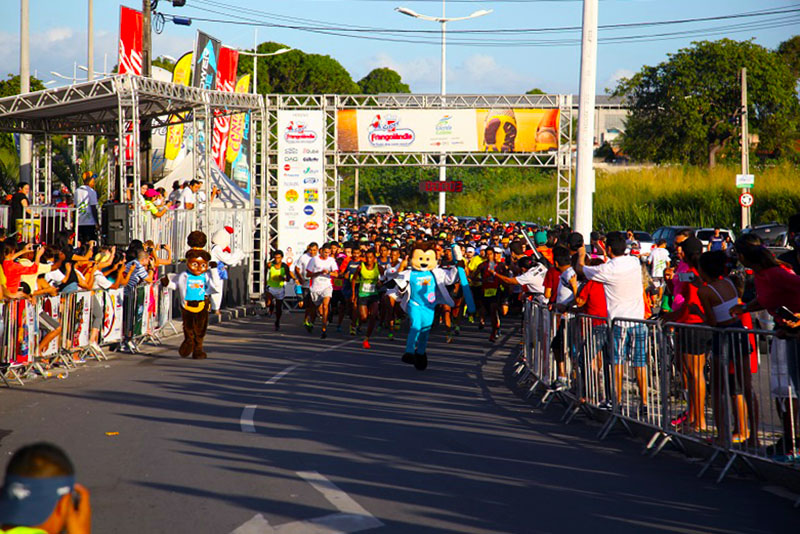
(375, 209)
(704, 235)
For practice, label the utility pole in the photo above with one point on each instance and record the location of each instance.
(584, 179)
(355, 197)
(25, 87)
(90, 59)
(745, 146)
(145, 133)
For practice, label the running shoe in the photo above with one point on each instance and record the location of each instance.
(449, 338)
(492, 338)
(391, 336)
(606, 406)
(308, 326)
(788, 458)
(366, 344)
(277, 326)
(397, 327)
(471, 319)
(560, 384)
(324, 335)
(352, 330)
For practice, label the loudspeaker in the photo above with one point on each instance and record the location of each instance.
(116, 226)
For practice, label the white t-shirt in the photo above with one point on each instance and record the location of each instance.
(317, 264)
(300, 267)
(85, 197)
(533, 279)
(564, 293)
(101, 282)
(622, 280)
(659, 261)
(187, 197)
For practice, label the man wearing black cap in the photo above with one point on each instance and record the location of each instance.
(40, 496)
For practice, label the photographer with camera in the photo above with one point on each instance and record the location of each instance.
(40, 496)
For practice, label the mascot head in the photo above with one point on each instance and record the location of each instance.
(197, 261)
(423, 256)
(196, 239)
(222, 238)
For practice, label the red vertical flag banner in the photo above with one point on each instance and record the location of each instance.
(130, 41)
(226, 79)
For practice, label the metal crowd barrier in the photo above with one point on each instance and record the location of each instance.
(4, 209)
(41, 224)
(733, 390)
(67, 319)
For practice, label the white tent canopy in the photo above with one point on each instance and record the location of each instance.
(230, 195)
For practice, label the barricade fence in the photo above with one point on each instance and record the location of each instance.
(733, 389)
(41, 224)
(49, 335)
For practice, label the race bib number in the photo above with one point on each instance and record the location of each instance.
(489, 292)
(368, 287)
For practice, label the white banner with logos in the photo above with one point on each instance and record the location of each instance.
(412, 130)
(301, 181)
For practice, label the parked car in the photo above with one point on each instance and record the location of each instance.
(645, 242)
(772, 234)
(668, 234)
(375, 209)
(704, 234)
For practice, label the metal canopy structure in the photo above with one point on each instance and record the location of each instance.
(119, 107)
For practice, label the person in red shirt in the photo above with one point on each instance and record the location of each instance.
(13, 270)
(591, 300)
(551, 283)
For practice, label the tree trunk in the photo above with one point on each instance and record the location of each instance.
(712, 155)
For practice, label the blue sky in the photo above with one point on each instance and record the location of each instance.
(58, 37)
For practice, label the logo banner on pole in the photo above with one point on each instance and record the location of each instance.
(205, 58)
(130, 41)
(226, 78)
(181, 75)
(301, 186)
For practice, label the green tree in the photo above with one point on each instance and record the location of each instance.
(164, 63)
(382, 80)
(686, 108)
(535, 91)
(789, 51)
(11, 87)
(296, 72)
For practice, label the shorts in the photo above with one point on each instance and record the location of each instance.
(337, 298)
(630, 343)
(369, 300)
(737, 346)
(455, 294)
(278, 293)
(393, 294)
(693, 341)
(316, 297)
(96, 317)
(599, 338)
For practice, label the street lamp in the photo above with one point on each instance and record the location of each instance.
(257, 55)
(443, 20)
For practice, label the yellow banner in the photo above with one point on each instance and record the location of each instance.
(237, 123)
(181, 75)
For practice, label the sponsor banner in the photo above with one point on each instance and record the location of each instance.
(50, 308)
(226, 79)
(112, 315)
(447, 130)
(237, 123)
(130, 41)
(205, 59)
(301, 194)
(80, 319)
(240, 168)
(181, 75)
(517, 130)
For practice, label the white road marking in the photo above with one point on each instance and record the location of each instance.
(340, 345)
(352, 517)
(246, 420)
(281, 375)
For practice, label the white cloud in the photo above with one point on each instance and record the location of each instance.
(615, 77)
(57, 49)
(479, 73)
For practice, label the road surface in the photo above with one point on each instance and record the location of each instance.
(285, 433)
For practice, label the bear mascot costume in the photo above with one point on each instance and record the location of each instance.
(421, 289)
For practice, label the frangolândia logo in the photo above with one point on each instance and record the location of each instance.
(384, 131)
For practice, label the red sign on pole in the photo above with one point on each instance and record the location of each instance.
(130, 41)
(226, 79)
(441, 187)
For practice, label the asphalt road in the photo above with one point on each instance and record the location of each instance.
(282, 429)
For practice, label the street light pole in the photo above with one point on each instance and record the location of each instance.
(443, 20)
(584, 175)
(256, 55)
(90, 58)
(25, 87)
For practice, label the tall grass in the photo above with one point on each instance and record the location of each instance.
(643, 198)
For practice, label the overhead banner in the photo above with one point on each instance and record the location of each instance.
(130, 41)
(226, 79)
(301, 181)
(237, 122)
(205, 59)
(447, 130)
(181, 75)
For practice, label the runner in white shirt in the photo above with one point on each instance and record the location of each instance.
(320, 270)
(300, 272)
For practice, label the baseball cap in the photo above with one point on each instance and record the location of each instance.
(29, 500)
(471, 249)
(150, 193)
(540, 237)
(498, 250)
